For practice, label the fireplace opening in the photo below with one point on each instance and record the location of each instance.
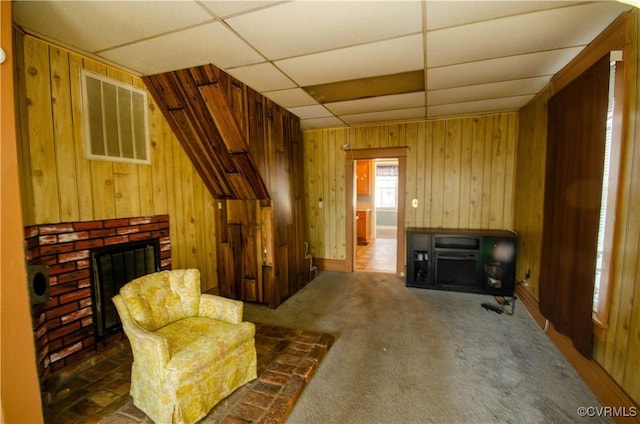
(457, 269)
(457, 261)
(112, 268)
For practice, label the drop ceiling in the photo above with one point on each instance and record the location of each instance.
(340, 63)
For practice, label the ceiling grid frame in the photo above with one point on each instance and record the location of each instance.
(476, 56)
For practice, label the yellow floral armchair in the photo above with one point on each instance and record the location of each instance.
(190, 350)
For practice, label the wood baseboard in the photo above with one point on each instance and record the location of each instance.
(331, 264)
(603, 386)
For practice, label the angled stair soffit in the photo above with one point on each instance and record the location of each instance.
(196, 103)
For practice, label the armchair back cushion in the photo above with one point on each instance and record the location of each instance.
(163, 297)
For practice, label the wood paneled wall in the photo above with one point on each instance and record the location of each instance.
(60, 185)
(461, 170)
(261, 242)
(529, 192)
(619, 353)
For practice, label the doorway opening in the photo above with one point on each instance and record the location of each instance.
(376, 215)
(368, 156)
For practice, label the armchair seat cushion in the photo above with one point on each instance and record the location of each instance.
(197, 341)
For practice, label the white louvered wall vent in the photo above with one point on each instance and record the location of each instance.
(115, 120)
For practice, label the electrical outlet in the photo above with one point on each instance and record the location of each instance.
(414, 203)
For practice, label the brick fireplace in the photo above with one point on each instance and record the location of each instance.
(63, 326)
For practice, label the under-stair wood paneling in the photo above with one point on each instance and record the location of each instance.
(460, 170)
(240, 252)
(200, 108)
(60, 185)
(248, 150)
(619, 353)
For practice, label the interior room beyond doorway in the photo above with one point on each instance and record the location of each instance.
(376, 215)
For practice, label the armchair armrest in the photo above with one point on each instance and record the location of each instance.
(221, 308)
(145, 345)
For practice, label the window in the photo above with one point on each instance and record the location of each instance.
(115, 120)
(608, 203)
(386, 185)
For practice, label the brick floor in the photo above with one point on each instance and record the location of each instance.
(97, 391)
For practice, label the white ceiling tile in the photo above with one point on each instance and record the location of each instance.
(483, 56)
(290, 98)
(377, 104)
(96, 25)
(442, 14)
(384, 116)
(308, 112)
(324, 25)
(380, 58)
(227, 8)
(477, 107)
(503, 69)
(216, 45)
(487, 91)
(262, 77)
(520, 34)
(306, 124)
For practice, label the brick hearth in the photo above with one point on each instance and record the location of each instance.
(63, 326)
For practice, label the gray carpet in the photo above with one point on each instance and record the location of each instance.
(406, 355)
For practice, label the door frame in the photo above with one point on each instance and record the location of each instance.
(399, 153)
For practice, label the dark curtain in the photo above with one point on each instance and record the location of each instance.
(577, 120)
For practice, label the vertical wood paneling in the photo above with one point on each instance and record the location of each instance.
(498, 163)
(318, 217)
(145, 173)
(476, 173)
(43, 178)
(446, 164)
(159, 139)
(631, 378)
(436, 175)
(60, 185)
(530, 181)
(187, 179)
(509, 173)
(423, 167)
(180, 241)
(22, 126)
(619, 353)
(331, 199)
(82, 166)
(340, 203)
(465, 173)
(412, 180)
(63, 134)
(487, 183)
(451, 168)
(622, 345)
